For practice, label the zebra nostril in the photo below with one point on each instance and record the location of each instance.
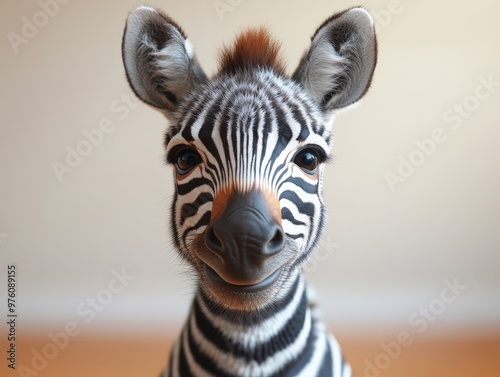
(212, 241)
(276, 243)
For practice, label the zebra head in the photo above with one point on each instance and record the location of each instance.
(247, 146)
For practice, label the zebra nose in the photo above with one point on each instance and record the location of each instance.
(246, 237)
(245, 232)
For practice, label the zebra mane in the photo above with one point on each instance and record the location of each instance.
(253, 48)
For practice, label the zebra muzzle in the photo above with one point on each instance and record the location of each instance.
(245, 243)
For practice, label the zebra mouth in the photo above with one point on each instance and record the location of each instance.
(249, 288)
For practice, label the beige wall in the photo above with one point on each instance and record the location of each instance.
(387, 252)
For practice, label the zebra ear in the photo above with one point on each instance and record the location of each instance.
(338, 67)
(158, 59)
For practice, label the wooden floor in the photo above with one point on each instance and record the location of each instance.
(133, 356)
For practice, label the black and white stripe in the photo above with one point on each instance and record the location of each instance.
(283, 339)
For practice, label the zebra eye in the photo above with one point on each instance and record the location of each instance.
(186, 160)
(308, 160)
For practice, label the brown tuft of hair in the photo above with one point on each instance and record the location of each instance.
(254, 48)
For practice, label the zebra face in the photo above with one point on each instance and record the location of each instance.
(247, 147)
(247, 153)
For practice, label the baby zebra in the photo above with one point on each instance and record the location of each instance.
(247, 148)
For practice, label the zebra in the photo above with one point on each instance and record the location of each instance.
(248, 147)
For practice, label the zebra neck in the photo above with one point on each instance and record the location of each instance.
(282, 340)
(253, 332)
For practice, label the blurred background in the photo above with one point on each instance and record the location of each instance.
(412, 245)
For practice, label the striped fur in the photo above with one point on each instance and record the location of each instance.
(250, 129)
(284, 339)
